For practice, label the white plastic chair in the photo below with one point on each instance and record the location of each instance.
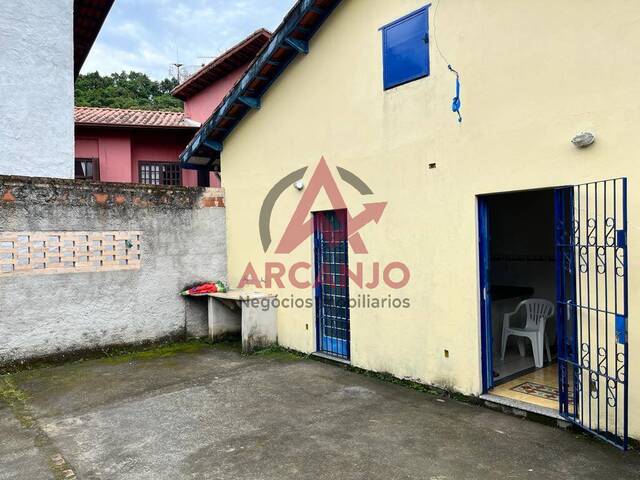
(538, 311)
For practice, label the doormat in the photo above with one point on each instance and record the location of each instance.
(540, 390)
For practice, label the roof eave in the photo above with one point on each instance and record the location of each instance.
(182, 91)
(291, 37)
(83, 36)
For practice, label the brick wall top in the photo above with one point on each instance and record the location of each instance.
(34, 190)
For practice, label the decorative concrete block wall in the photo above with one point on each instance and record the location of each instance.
(90, 265)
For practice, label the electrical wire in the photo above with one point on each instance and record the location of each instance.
(456, 102)
(435, 37)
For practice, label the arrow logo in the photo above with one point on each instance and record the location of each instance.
(300, 227)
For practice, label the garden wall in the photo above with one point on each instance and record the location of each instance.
(85, 266)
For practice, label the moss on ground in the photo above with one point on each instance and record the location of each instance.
(163, 351)
(280, 353)
(228, 345)
(16, 400)
(421, 387)
(117, 354)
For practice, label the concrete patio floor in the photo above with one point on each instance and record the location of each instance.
(209, 413)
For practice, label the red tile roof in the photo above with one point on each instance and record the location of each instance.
(121, 117)
(240, 54)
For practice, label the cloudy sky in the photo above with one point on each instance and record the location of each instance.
(148, 35)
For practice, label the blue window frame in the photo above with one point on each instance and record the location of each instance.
(405, 48)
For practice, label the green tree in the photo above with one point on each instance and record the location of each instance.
(126, 90)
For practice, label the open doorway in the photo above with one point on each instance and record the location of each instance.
(564, 250)
(519, 291)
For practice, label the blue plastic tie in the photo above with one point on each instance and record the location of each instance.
(456, 104)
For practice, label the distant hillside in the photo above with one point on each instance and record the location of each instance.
(126, 90)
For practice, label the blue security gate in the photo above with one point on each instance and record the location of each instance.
(591, 269)
(332, 282)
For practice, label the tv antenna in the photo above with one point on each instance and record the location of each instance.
(176, 69)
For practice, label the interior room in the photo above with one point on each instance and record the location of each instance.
(523, 294)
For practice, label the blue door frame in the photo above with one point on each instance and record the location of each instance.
(485, 295)
(331, 261)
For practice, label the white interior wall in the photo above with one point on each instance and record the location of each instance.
(522, 250)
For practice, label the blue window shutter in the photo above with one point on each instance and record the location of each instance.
(406, 49)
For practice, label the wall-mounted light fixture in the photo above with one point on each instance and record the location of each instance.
(583, 140)
(299, 185)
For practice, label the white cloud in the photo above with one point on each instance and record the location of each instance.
(144, 35)
(133, 30)
(109, 60)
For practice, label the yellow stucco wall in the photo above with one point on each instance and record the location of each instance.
(533, 74)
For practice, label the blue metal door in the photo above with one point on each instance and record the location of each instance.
(485, 294)
(591, 271)
(332, 283)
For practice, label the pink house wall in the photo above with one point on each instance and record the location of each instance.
(113, 149)
(160, 147)
(87, 147)
(119, 151)
(202, 104)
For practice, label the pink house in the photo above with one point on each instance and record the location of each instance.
(142, 146)
(132, 146)
(203, 91)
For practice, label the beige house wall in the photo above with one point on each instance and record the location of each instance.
(533, 75)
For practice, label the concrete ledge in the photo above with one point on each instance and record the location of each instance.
(331, 358)
(518, 405)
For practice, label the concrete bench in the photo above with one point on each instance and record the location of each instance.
(252, 314)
